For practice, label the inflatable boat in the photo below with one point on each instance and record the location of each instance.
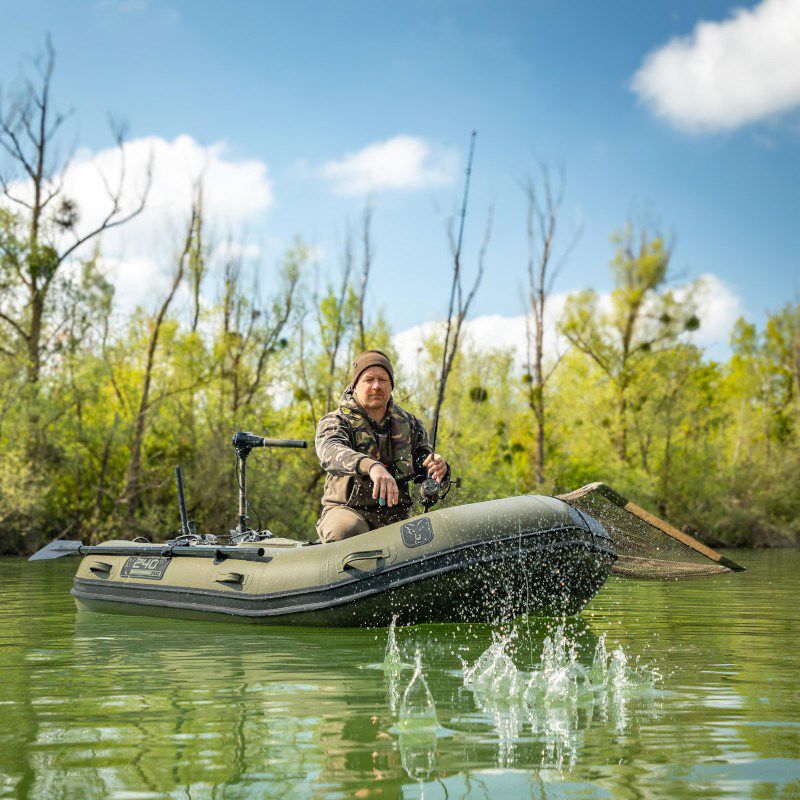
(480, 562)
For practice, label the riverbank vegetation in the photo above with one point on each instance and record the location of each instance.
(97, 406)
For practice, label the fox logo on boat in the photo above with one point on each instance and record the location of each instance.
(417, 532)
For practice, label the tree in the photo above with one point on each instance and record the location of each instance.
(544, 207)
(253, 330)
(459, 304)
(132, 490)
(45, 230)
(644, 316)
(782, 344)
(366, 265)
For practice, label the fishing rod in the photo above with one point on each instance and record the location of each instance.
(456, 276)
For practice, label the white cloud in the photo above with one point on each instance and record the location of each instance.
(492, 331)
(234, 192)
(137, 281)
(729, 73)
(140, 253)
(402, 162)
(719, 307)
(231, 250)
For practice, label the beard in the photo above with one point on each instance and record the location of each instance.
(374, 403)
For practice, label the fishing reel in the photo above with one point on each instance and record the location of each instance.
(429, 491)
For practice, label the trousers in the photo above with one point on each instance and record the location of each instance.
(341, 522)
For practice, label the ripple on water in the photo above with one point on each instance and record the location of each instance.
(97, 706)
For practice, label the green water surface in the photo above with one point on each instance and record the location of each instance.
(95, 706)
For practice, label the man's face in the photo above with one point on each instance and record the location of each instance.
(373, 389)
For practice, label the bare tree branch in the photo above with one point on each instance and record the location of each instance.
(543, 210)
(271, 340)
(14, 324)
(28, 131)
(303, 373)
(109, 220)
(133, 477)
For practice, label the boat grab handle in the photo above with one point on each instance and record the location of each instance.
(101, 568)
(364, 555)
(233, 578)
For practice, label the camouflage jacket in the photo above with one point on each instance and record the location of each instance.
(349, 443)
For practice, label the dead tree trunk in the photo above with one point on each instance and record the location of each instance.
(544, 207)
(340, 322)
(457, 314)
(132, 491)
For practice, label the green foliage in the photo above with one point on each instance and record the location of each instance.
(644, 319)
(712, 446)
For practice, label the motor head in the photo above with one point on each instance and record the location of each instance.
(243, 443)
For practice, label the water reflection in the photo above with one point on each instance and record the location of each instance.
(96, 706)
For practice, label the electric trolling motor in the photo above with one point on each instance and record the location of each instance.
(243, 443)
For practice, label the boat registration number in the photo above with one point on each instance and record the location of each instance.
(149, 567)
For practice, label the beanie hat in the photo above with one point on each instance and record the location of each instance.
(371, 358)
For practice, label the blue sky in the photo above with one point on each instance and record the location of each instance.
(298, 90)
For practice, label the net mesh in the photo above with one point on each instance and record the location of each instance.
(647, 547)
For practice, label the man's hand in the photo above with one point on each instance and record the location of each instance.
(384, 486)
(437, 467)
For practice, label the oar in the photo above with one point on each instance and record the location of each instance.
(66, 547)
(57, 549)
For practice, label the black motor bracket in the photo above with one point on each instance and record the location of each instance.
(243, 443)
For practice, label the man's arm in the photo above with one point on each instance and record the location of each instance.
(334, 451)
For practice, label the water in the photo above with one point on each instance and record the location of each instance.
(665, 690)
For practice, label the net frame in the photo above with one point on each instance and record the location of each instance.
(647, 546)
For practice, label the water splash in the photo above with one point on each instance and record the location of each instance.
(417, 727)
(559, 697)
(494, 674)
(417, 709)
(392, 662)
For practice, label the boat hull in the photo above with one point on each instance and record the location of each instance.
(480, 563)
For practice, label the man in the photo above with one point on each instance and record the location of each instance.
(372, 450)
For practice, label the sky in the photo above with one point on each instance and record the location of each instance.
(295, 114)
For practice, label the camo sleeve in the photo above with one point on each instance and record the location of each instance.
(334, 450)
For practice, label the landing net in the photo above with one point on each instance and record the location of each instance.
(647, 546)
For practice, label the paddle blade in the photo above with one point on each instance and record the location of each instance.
(57, 549)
